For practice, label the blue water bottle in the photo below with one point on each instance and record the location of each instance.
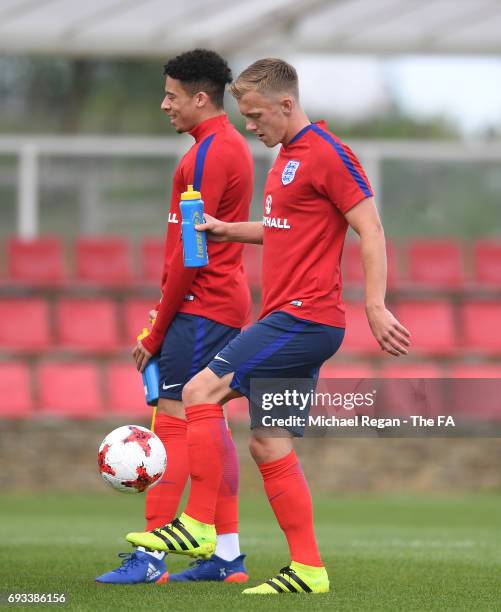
(151, 376)
(194, 243)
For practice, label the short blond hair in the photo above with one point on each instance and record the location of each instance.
(269, 75)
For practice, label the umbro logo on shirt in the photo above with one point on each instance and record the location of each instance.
(273, 221)
(267, 204)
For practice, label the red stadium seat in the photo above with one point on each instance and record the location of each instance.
(152, 260)
(15, 390)
(475, 370)
(39, 261)
(481, 326)
(344, 378)
(436, 263)
(103, 261)
(252, 257)
(136, 318)
(487, 262)
(351, 264)
(24, 324)
(358, 337)
(352, 377)
(412, 370)
(88, 325)
(125, 392)
(347, 370)
(407, 391)
(431, 324)
(476, 399)
(69, 390)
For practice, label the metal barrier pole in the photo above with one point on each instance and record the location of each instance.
(28, 204)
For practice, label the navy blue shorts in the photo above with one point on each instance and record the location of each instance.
(189, 345)
(280, 346)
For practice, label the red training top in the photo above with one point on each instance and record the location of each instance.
(220, 166)
(314, 181)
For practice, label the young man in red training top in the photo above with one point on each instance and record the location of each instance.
(314, 191)
(201, 310)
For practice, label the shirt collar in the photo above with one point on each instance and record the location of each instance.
(303, 131)
(209, 126)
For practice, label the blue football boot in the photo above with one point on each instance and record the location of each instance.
(137, 567)
(213, 569)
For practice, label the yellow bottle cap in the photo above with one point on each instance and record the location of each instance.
(190, 194)
(144, 333)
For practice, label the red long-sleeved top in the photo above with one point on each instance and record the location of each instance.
(220, 162)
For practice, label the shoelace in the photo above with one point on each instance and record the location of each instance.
(129, 560)
(287, 571)
(177, 522)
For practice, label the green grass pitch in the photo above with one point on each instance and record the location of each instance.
(382, 553)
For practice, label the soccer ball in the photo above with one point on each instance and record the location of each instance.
(132, 459)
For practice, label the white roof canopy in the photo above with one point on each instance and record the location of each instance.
(157, 28)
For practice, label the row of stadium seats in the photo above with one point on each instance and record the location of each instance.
(98, 325)
(84, 390)
(432, 264)
(103, 325)
(437, 327)
(109, 262)
(97, 261)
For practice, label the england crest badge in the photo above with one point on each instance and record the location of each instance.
(289, 171)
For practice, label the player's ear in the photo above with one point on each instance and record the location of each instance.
(201, 99)
(287, 105)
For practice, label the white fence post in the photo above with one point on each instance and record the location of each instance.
(27, 210)
(372, 166)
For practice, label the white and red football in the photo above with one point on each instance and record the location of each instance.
(132, 459)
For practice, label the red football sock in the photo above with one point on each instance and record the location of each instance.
(206, 450)
(290, 498)
(226, 517)
(162, 500)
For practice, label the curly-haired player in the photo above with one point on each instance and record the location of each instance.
(201, 310)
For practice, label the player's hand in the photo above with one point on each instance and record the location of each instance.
(141, 356)
(153, 315)
(214, 228)
(391, 335)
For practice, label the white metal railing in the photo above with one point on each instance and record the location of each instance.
(29, 150)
